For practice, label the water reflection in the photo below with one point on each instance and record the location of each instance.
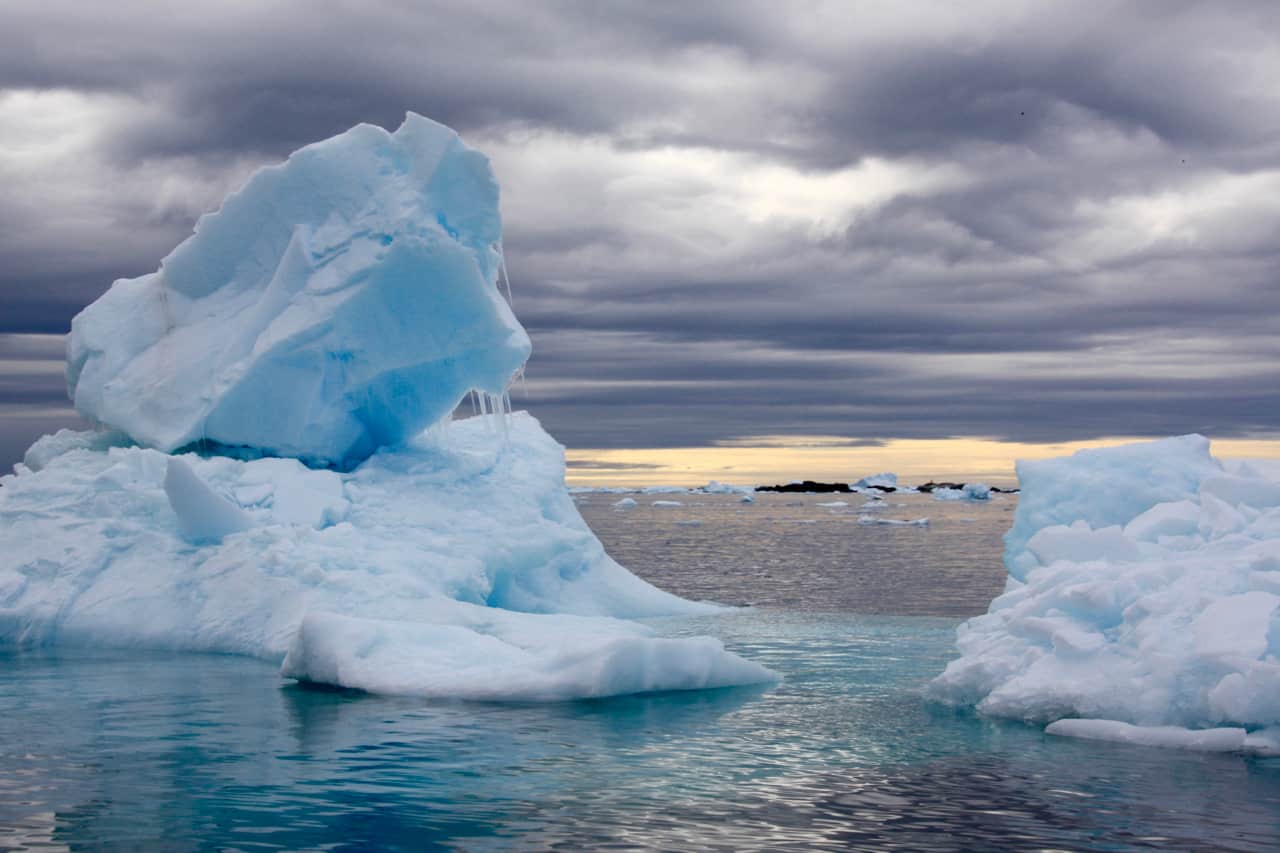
(200, 752)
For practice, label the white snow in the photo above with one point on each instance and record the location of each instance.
(1144, 589)
(341, 301)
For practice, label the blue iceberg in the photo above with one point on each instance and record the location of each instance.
(311, 341)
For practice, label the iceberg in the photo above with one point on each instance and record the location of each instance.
(341, 301)
(1143, 594)
(886, 481)
(278, 472)
(967, 492)
(715, 487)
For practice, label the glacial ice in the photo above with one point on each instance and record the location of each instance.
(443, 567)
(1143, 590)
(333, 312)
(341, 301)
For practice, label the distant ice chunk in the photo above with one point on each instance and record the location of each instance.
(886, 479)
(833, 504)
(715, 487)
(339, 302)
(1143, 594)
(667, 503)
(893, 522)
(967, 492)
(625, 503)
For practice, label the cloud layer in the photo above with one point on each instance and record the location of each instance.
(725, 220)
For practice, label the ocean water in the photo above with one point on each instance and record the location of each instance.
(109, 750)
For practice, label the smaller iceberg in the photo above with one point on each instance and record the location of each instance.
(1143, 593)
(886, 481)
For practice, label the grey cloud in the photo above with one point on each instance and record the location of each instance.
(1048, 114)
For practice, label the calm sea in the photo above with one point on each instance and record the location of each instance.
(186, 752)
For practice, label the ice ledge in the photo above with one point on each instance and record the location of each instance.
(456, 565)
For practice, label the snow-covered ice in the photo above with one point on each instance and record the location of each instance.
(341, 301)
(334, 311)
(449, 552)
(1144, 588)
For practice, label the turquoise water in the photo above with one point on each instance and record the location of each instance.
(128, 751)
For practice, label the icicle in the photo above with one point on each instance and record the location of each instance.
(504, 414)
(507, 279)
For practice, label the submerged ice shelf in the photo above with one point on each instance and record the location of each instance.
(334, 312)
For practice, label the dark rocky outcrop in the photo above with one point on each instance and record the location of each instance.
(806, 486)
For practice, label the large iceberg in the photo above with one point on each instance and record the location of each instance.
(279, 475)
(341, 301)
(1144, 589)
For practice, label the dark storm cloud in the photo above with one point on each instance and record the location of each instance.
(1077, 239)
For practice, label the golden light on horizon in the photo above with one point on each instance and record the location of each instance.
(778, 459)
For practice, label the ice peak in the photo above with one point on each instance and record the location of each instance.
(343, 300)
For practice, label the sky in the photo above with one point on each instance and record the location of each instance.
(914, 235)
